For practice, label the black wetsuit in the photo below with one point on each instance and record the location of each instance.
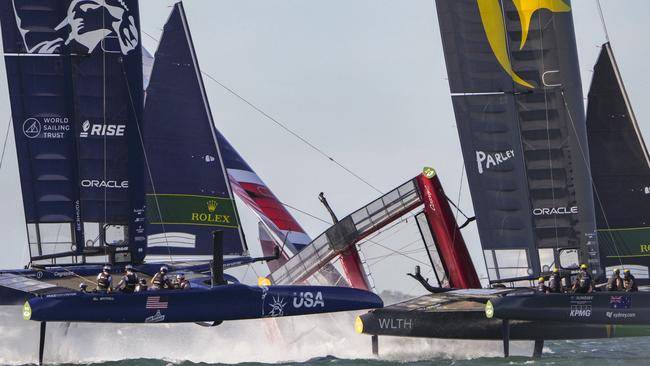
(555, 284)
(583, 283)
(630, 283)
(615, 283)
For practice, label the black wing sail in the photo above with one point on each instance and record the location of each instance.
(620, 165)
(515, 83)
(74, 70)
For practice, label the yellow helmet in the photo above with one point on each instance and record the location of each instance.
(626, 270)
(616, 270)
(556, 270)
(540, 280)
(583, 266)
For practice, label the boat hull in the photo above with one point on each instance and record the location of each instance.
(620, 308)
(474, 325)
(220, 303)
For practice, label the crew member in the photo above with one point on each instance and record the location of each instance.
(129, 280)
(541, 287)
(83, 287)
(629, 282)
(555, 282)
(159, 280)
(582, 285)
(142, 286)
(181, 283)
(615, 283)
(104, 280)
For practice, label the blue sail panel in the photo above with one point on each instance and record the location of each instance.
(75, 79)
(189, 196)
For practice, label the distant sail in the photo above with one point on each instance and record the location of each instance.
(189, 195)
(75, 82)
(620, 166)
(515, 84)
(250, 188)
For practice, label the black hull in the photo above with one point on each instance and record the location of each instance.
(474, 325)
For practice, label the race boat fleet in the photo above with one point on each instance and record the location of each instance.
(120, 163)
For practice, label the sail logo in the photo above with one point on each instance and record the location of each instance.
(95, 129)
(46, 127)
(113, 184)
(210, 216)
(548, 211)
(277, 307)
(494, 27)
(580, 311)
(486, 161)
(308, 300)
(395, 323)
(87, 23)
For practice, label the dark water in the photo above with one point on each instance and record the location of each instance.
(309, 341)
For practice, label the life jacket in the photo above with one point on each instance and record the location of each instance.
(141, 288)
(614, 284)
(555, 283)
(159, 280)
(104, 281)
(130, 281)
(630, 284)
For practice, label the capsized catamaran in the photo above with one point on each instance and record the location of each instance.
(90, 152)
(516, 92)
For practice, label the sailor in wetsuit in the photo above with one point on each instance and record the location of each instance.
(142, 286)
(129, 280)
(181, 283)
(541, 287)
(160, 281)
(629, 282)
(582, 285)
(615, 283)
(104, 280)
(555, 282)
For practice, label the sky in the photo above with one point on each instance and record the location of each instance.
(363, 80)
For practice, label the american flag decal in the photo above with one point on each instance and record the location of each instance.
(155, 302)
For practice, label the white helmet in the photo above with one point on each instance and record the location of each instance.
(107, 268)
(164, 269)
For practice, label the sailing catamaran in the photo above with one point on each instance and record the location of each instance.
(109, 178)
(551, 188)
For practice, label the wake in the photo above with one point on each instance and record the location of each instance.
(267, 341)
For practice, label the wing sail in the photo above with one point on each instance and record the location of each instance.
(188, 195)
(515, 83)
(620, 166)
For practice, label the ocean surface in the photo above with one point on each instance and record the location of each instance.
(314, 341)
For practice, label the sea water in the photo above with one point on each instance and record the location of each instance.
(310, 340)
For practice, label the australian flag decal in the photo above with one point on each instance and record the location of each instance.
(620, 302)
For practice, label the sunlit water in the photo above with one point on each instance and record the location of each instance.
(311, 340)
